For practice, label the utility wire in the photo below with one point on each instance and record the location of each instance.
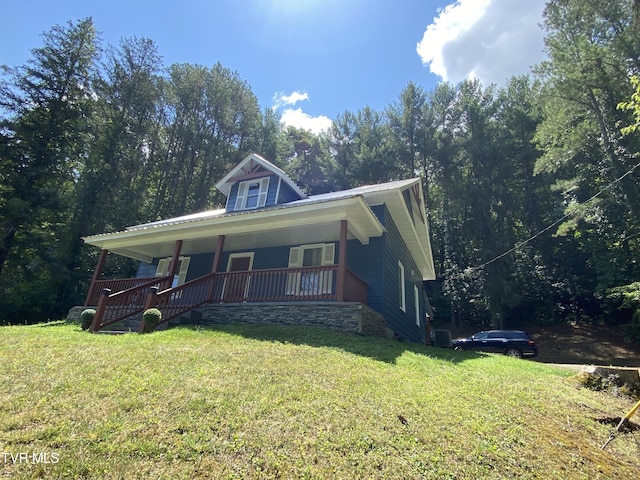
(469, 270)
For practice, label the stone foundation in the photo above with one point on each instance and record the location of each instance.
(73, 316)
(343, 316)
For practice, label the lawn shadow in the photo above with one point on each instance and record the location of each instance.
(54, 323)
(377, 348)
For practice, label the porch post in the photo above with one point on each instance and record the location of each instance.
(101, 307)
(173, 266)
(342, 261)
(96, 274)
(216, 259)
(215, 266)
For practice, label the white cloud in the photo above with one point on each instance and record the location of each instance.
(486, 39)
(280, 99)
(298, 119)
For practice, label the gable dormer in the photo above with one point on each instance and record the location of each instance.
(256, 183)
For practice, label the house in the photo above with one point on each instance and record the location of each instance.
(353, 260)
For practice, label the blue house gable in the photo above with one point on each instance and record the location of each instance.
(273, 244)
(256, 183)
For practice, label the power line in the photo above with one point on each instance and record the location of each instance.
(533, 237)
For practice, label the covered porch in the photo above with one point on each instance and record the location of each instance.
(331, 224)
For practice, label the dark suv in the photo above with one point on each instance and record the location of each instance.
(514, 343)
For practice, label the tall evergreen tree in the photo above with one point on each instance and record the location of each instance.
(593, 46)
(48, 104)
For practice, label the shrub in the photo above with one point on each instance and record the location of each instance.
(86, 318)
(151, 319)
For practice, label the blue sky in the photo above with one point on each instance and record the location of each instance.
(312, 59)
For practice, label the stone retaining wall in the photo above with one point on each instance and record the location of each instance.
(343, 316)
(74, 313)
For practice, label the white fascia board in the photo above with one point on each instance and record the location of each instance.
(255, 221)
(419, 245)
(224, 187)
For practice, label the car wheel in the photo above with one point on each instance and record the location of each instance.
(513, 352)
(458, 348)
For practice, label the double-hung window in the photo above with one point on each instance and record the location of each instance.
(181, 272)
(311, 281)
(252, 194)
(402, 288)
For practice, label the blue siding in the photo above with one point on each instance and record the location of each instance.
(231, 199)
(402, 323)
(199, 266)
(375, 263)
(287, 194)
(146, 270)
(275, 196)
(366, 261)
(264, 258)
(272, 191)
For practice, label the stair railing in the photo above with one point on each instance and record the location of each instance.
(118, 306)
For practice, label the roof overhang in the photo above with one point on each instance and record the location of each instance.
(412, 225)
(246, 166)
(282, 225)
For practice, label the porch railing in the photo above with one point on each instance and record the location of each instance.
(123, 304)
(355, 289)
(118, 285)
(269, 285)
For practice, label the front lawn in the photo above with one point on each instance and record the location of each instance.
(275, 402)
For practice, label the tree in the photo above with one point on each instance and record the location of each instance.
(111, 189)
(593, 47)
(407, 123)
(359, 143)
(308, 162)
(211, 120)
(47, 104)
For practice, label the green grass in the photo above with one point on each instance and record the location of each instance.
(273, 402)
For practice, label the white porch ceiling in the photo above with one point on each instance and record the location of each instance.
(310, 223)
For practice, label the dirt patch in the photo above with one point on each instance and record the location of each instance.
(585, 345)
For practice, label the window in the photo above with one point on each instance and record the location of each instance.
(181, 272)
(401, 287)
(416, 298)
(252, 194)
(311, 281)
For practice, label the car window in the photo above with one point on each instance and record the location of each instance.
(480, 336)
(518, 335)
(496, 335)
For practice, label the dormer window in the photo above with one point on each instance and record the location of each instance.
(252, 194)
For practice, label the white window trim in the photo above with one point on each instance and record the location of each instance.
(241, 255)
(416, 298)
(402, 287)
(278, 189)
(230, 261)
(296, 255)
(162, 269)
(243, 190)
